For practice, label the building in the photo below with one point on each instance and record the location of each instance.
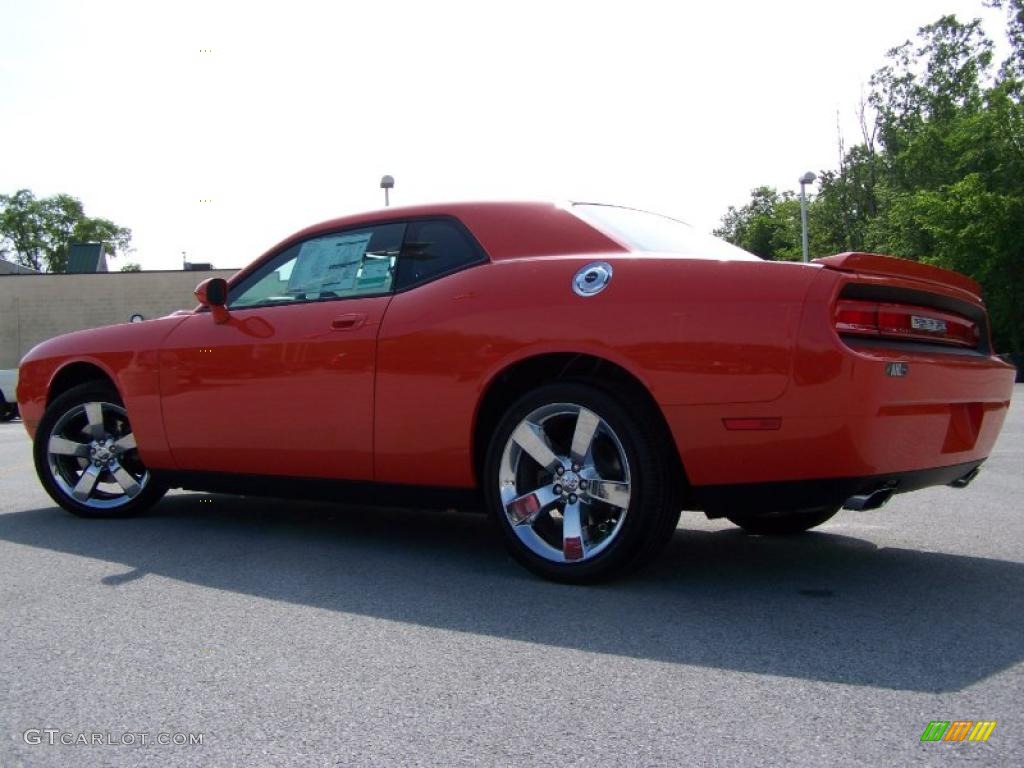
(35, 306)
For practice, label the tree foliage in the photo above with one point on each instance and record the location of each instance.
(939, 175)
(769, 225)
(36, 232)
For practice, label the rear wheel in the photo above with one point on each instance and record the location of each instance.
(785, 523)
(86, 456)
(577, 484)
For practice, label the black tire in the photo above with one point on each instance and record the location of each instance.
(8, 411)
(651, 514)
(785, 523)
(68, 415)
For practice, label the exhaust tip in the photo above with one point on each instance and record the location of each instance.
(866, 501)
(963, 482)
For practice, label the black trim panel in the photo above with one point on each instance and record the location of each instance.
(769, 498)
(896, 346)
(321, 489)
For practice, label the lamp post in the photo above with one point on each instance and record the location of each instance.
(807, 178)
(387, 183)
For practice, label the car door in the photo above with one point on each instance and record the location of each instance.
(285, 387)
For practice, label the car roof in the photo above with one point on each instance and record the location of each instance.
(506, 229)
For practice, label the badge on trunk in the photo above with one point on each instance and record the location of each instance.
(897, 369)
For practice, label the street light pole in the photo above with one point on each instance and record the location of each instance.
(807, 178)
(387, 183)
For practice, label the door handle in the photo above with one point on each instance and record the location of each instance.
(348, 322)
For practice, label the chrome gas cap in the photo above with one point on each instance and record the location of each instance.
(592, 279)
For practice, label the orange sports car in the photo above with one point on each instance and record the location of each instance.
(584, 371)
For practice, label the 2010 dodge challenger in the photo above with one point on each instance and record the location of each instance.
(587, 371)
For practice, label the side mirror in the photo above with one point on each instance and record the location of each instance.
(212, 293)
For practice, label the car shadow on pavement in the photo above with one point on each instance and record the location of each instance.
(821, 607)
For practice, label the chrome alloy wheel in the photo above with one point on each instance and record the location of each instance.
(92, 456)
(564, 483)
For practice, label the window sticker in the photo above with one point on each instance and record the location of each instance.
(375, 271)
(328, 264)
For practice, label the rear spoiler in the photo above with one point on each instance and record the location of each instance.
(876, 264)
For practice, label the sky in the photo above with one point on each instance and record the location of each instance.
(219, 128)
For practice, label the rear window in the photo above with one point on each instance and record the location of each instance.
(645, 231)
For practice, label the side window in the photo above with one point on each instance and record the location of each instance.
(435, 247)
(341, 265)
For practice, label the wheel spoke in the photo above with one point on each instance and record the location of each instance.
(573, 547)
(610, 491)
(94, 415)
(534, 442)
(61, 446)
(126, 481)
(83, 488)
(524, 509)
(126, 443)
(587, 423)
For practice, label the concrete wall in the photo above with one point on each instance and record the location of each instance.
(37, 307)
(10, 268)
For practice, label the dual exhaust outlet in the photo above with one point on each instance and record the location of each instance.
(877, 498)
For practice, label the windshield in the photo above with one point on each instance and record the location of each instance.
(652, 232)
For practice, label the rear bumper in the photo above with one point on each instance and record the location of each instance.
(769, 498)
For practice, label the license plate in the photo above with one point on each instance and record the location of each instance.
(927, 324)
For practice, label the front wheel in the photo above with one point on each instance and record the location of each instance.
(577, 484)
(86, 457)
(785, 523)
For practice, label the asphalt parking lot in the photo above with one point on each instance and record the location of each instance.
(301, 634)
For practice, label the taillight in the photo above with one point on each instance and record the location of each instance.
(904, 321)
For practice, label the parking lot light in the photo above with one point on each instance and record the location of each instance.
(807, 178)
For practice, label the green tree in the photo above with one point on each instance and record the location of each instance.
(1013, 66)
(769, 225)
(841, 213)
(22, 231)
(38, 231)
